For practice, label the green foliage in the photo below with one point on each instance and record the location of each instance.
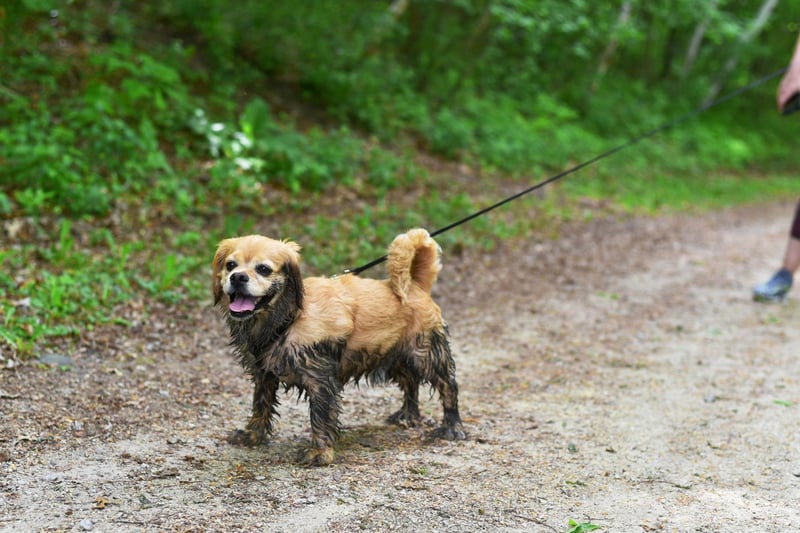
(264, 151)
(38, 304)
(176, 124)
(507, 84)
(75, 150)
(575, 527)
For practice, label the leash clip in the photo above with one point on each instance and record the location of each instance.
(344, 272)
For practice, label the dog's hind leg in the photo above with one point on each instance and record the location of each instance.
(442, 376)
(451, 428)
(265, 404)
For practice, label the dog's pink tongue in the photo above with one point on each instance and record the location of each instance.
(241, 304)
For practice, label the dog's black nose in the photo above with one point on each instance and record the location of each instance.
(239, 278)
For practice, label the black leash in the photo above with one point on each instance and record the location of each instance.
(608, 153)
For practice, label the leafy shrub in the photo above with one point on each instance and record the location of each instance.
(76, 151)
(450, 134)
(262, 150)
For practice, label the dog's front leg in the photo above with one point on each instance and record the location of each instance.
(265, 404)
(324, 409)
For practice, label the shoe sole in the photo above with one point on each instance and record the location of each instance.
(767, 299)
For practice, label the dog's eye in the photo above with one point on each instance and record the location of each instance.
(263, 270)
(230, 265)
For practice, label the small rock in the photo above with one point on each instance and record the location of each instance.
(54, 359)
(572, 448)
(7, 395)
(23, 302)
(86, 524)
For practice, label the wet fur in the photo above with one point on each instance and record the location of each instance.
(316, 334)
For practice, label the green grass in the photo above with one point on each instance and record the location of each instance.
(60, 289)
(651, 193)
(56, 289)
(583, 527)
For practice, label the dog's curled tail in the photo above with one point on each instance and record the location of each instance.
(413, 257)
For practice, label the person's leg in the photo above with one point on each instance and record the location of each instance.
(791, 260)
(776, 288)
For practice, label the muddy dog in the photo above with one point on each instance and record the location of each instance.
(316, 334)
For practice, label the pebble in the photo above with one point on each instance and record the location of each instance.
(86, 524)
(55, 359)
(572, 447)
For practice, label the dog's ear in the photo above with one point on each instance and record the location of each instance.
(294, 278)
(223, 250)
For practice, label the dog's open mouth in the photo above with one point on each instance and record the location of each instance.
(242, 305)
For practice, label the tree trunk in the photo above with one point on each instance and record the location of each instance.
(744, 39)
(694, 44)
(608, 53)
(398, 7)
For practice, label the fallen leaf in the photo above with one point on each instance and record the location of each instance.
(100, 502)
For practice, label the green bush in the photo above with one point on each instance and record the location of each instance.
(263, 150)
(76, 151)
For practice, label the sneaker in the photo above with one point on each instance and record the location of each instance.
(775, 289)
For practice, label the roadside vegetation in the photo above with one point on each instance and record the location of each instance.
(133, 138)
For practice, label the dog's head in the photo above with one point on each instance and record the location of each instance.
(251, 273)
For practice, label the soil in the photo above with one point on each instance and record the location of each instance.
(618, 375)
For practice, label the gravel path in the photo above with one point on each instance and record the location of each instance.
(618, 375)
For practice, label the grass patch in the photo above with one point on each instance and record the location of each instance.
(650, 193)
(85, 275)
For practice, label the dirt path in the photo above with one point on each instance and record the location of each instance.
(619, 375)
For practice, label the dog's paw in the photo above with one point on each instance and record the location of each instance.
(246, 437)
(450, 433)
(318, 457)
(404, 419)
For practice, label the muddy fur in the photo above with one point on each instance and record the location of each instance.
(316, 334)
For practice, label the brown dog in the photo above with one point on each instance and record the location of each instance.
(316, 334)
